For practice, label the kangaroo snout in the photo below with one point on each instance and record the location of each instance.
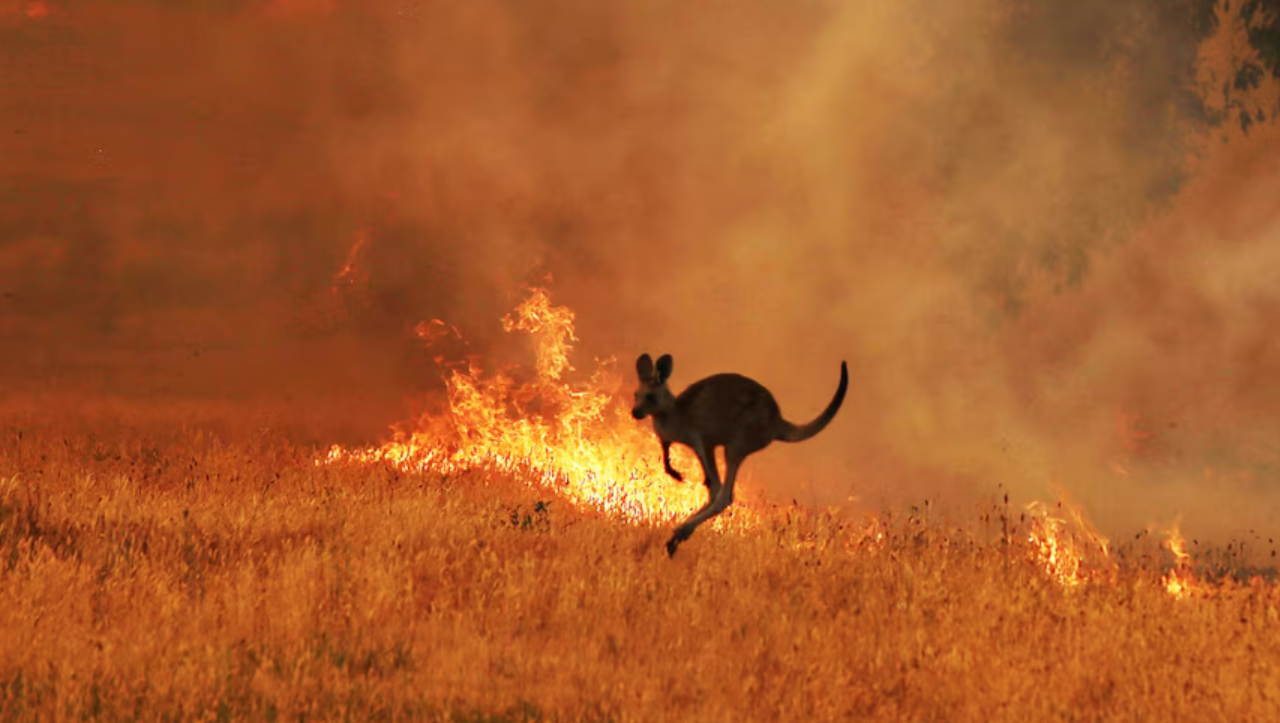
(635, 412)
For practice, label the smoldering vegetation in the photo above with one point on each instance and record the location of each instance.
(1013, 219)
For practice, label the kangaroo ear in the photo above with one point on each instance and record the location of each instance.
(644, 367)
(664, 368)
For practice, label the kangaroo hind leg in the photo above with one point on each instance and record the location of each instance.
(710, 478)
(710, 472)
(722, 498)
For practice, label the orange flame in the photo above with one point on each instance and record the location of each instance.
(1180, 582)
(1064, 550)
(577, 440)
(430, 331)
(351, 272)
(571, 438)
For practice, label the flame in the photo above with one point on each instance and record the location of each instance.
(578, 440)
(1180, 582)
(570, 438)
(1063, 549)
(431, 331)
(351, 272)
(347, 296)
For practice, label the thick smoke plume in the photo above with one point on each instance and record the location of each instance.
(988, 208)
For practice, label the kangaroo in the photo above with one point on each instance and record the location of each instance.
(723, 410)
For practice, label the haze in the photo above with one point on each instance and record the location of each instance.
(1045, 269)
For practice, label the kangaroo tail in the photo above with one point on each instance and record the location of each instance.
(799, 433)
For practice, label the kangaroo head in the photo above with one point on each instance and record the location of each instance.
(653, 397)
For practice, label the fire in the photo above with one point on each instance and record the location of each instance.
(351, 272)
(1063, 549)
(571, 438)
(577, 440)
(347, 296)
(1180, 582)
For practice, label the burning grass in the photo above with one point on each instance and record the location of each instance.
(502, 559)
(151, 573)
(554, 433)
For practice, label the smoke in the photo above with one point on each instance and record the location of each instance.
(983, 207)
(1163, 366)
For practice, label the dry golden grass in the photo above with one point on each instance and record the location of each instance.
(153, 571)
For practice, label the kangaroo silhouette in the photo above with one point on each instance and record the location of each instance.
(722, 410)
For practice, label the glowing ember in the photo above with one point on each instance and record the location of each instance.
(551, 433)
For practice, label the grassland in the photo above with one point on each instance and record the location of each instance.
(166, 566)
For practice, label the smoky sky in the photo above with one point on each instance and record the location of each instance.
(993, 210)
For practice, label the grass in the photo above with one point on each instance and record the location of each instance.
(153, 569)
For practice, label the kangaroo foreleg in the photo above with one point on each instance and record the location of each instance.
(666, 462)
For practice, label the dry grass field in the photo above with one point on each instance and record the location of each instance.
(240, 239)
(163, 565)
